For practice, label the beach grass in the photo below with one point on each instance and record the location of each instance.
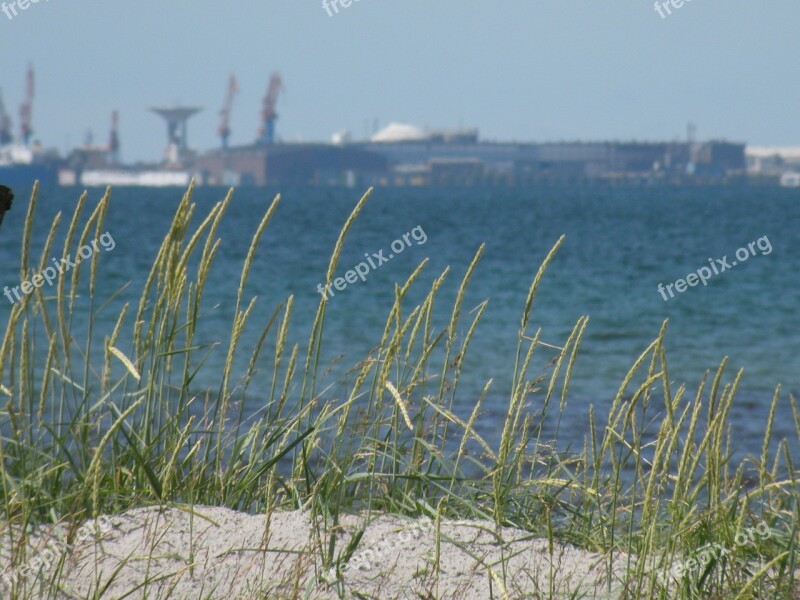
(654, 486)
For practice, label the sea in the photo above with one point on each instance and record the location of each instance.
(621, 244)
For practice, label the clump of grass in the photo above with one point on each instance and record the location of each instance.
(654, 483)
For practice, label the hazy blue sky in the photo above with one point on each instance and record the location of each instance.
(516, 69)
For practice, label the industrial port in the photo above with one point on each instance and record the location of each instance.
(396, 155)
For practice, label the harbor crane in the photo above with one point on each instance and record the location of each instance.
(26, 110)
(113, 139)
(224, 130)
(266, 134)
(5, 124)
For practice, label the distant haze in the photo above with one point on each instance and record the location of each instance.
(516, 69)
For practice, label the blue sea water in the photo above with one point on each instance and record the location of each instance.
(620, 244)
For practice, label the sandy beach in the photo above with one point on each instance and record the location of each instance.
(209, 552)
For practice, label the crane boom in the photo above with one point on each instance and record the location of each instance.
(26, 110)
(266, 133)
(113, 139)
(224, 130)
(5, 124)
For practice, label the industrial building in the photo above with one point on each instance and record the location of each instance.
(458, 157)
(291, 164)
(397, 155)
(401, 155)
(404, 155)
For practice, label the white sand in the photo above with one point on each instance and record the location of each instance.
(218, 553)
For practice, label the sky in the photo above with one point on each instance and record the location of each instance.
(524, 70)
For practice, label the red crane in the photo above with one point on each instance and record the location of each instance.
(266, 133)
(26, 110)
(224, 130)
